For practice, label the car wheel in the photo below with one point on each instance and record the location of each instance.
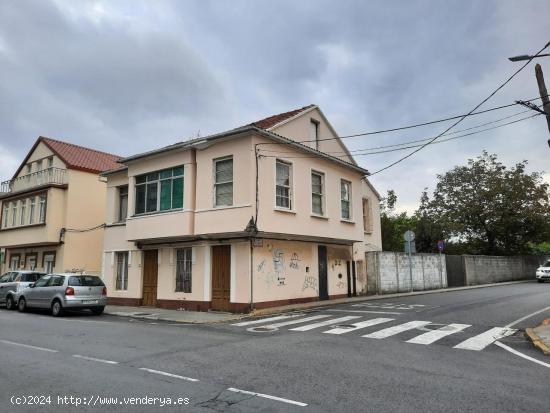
(97, 310)
(10, 304)
(57, 309)
(22, 305)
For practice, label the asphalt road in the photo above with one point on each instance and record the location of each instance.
(293, 365)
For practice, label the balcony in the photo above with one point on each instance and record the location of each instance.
(49, 176)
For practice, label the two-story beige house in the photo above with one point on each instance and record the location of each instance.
(53, 208)
(271, 213)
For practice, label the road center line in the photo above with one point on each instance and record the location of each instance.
(517, 353)
(164, 373)
(78, 356)
(267, 396)
(519, 320)
(29, 346)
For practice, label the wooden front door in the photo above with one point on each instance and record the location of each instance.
(221, 281)
(323, 276)
(150, 278)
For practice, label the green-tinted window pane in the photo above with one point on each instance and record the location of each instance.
(178, 171)
(151, 197)
(177, 193)
(165, 195)
(140, 179)
(152, 176)
(167, 173)
(140, 199)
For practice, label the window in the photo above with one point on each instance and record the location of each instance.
(38, 165)
(23, 210)
(314, 132)
(282, 186)
(31, 262)
(121, 270)
(14, 262)
(85, 281)
(50, 162)
(42, 206)
(367, 215)
(183, 269)
(31, 210)
(317, 193)
(345, 199)
(31, 277)
(29, 170)
(159, 191)
(14, 214)
(5, 215)
(122, 203)
(223, 182)
(56, 281)
(42, 281)
(48, 262)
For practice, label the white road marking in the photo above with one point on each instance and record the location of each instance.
(517, 353)
(391, 331)
(266, 320)
(365, 311)
(78, 356)
(29, 346)
(267, 396)
(519, 320)
(324, 323)
(482, 340)
(300, 320)
(163, 373)
(357, 326)
(432, 336)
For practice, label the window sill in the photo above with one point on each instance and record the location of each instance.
(222, 207)
(347, 221)
(319, 216)
(41, 224)
(367, 232)
(148, 214)
(116, 224)
(287, 211)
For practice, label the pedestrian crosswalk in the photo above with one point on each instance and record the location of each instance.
(467, 336)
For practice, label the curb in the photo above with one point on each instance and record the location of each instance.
(166, 320)
(536, 340)
(317, 304)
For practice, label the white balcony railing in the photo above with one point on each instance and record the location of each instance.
(46, 176)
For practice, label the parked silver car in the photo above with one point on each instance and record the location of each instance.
(14, 281)
(60, 292)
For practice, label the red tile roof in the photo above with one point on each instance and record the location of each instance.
(77, 157)
(271, 121)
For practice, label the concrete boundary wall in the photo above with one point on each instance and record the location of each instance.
(389, 272)
(484, 269)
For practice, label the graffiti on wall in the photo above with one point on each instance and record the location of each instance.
(279, 265)
(294, 262)
(310, 282)
(340, 284)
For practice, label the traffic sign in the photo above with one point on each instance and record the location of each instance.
(440, 245)
(409, 236)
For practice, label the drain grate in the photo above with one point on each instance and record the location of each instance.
(265, 329)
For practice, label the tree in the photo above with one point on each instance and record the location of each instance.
(393, 224)
(489, 207)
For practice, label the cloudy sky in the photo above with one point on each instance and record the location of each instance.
(128, 76)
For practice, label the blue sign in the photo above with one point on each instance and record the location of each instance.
(441, 245)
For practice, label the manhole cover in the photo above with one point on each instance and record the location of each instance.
(265, 329)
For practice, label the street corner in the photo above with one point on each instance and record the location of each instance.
(540, 336)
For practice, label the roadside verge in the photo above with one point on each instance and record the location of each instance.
(540, 336)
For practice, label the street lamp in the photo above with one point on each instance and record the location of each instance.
(525, 57)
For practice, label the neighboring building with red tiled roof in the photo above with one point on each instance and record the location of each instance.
(53, 208)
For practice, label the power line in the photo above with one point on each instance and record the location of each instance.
(412, 141)
(408, 147)
(464, 117)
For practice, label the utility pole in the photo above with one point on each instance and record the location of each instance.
(543, 94)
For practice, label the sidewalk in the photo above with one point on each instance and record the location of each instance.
(540, 336)
(212, 317)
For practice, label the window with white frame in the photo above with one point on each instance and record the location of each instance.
(23, 211)
(31, 209)
(5, 215)
(121, 270)
(223, 182)
(122, 203)
(14, 262)
(184, 270)
(283, 193)
(318, 193)
(14, 214)
(314, 132)
(345, 199)
(367, 215)
(159, 191)
(50, 162)
(42, 209)
(49, 263)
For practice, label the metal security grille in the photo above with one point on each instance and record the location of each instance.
(183, 270)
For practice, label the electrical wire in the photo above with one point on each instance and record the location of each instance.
(85, 230)
(493, 93)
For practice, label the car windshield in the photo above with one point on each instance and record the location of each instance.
(85, 280)
(5, 278)
(547, 264)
